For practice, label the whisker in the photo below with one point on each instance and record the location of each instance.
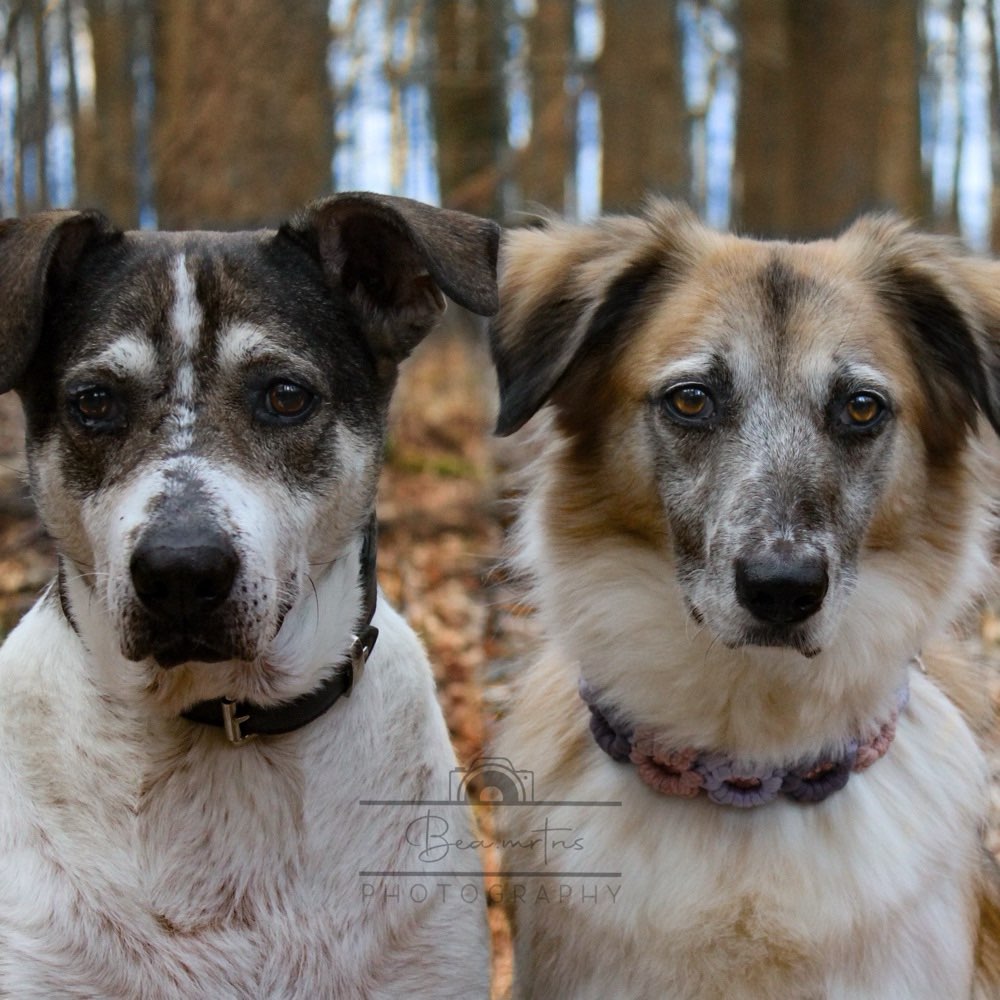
(315, 596)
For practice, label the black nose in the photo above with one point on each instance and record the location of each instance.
(181, 575)
(781, 588)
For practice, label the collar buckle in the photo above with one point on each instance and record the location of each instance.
(361, 648)
(231, 723)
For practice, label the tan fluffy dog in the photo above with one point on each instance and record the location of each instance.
(764, 490)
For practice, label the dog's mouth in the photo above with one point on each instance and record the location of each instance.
(175, 650)
(780, 637)
(794, 637)
(210, 640)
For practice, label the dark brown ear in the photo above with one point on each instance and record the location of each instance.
(569, 293)
(394, 257)
(948, 305)
(37, 255)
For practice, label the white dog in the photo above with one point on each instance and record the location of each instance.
(188, 805)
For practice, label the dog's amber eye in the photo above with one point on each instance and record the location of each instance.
(863, 410)
(286, 399)
(689, 403)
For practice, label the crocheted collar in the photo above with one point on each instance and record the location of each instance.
(732, 781)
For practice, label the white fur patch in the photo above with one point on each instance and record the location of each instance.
(240, 343)
(129, 357)
(185, 326)
(185, 312)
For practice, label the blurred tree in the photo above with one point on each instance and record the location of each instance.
(994, 104)
(829, 117)
(546, 166)
(468, 96)
(105, 142)
(645, 134)
(242, 129)
(41, 101)
(25, 37)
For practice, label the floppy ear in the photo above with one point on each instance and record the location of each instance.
(948, 306)
(37, 255)
(393, 257)
(567, 293)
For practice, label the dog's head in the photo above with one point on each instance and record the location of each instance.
(788, 424)
(206, 411)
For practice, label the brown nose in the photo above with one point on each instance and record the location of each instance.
(781, 588)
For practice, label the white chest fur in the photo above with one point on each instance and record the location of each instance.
(152, 859)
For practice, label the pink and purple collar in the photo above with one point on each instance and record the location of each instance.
(728, 780)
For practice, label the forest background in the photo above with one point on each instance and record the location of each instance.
(776, 117)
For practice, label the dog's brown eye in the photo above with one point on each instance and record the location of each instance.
(689, 403)
(863, 410)
(96, 408)
(95, 405)
(286, 400)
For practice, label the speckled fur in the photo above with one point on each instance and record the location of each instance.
(142, 855)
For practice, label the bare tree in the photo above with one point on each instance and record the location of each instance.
(829, 121)
(470, 119)
(243, 129)
(643, 116)
(106, 175)
(546, 166)
(994, 62)
(25, 40)
(41, 104)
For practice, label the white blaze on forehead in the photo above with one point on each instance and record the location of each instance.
(185, 313)
(185, 327)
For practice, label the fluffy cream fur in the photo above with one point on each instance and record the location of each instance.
(877, 892)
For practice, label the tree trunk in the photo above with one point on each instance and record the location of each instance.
(72, 88)
(42, 102)
(470, 119)
(25, 37)
(828, 124)
(242, 127)
(991, 21)
(951, 220)
(643, 115)
(20, 133)
(547, 165)
(106, 150)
